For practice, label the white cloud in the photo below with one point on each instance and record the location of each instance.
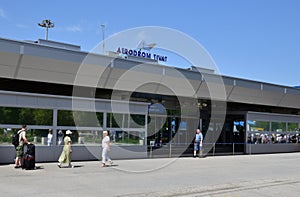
(21, 26)
(74, 28)
(2, 13)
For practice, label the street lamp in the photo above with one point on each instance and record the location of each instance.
(47, 24)
(103, 30)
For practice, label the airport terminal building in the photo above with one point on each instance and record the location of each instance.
(43, 85)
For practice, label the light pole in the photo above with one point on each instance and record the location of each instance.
(103, 30)
(47, 24)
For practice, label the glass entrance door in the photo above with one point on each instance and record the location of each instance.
(170, 136)
(228, 138)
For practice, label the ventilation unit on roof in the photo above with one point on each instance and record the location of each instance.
(201, 69)
(58, 44)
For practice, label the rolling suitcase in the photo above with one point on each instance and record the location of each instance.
(29, 157)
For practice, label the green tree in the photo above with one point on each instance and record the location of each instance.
(43, 117)
(65, 118)
(9, 115)
(26, 116)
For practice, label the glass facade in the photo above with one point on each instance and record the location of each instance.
(272, 132)
(86, 127)
(163, 130)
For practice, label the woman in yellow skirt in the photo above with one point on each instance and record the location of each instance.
(66, 155)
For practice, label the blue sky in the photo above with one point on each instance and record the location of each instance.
(251, 39)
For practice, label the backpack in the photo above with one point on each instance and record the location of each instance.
(15, 139)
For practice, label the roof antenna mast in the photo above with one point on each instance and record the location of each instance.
(103, 31)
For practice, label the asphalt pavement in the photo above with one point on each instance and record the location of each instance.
(239, 175)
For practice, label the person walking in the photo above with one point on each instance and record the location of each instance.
(20, 148)
(105, 149)
(198, 143)
(60, 137)
(66, 155)
(50, 138)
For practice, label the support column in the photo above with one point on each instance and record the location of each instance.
(54, 126)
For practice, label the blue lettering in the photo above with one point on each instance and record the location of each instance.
(140, 53)
(159, 57)
(130, 52)
(124, 51)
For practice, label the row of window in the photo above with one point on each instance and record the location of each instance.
(92, 137)
(124, 128)
(271, 132)
(11, 115)
(262, 126)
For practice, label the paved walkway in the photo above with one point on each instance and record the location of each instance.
(244, 175)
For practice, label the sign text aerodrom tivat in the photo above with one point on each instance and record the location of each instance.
(140, 53)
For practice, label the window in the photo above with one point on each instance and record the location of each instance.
(17, 116)
(127, 137)
(259, 126)
(115, 120)
(292, 126)
(125, 129)
(79, 118)
(37, 136)
(29, 116)
(259, 132)
(6, 135)
(278, 126)
(89, 137)
(137, 121)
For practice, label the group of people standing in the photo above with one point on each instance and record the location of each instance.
(66, 154)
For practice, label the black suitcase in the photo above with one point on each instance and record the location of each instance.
(28, 162)
(29, 157)
(30, 149)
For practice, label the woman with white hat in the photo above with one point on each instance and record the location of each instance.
(105, 149)
(66, 154)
